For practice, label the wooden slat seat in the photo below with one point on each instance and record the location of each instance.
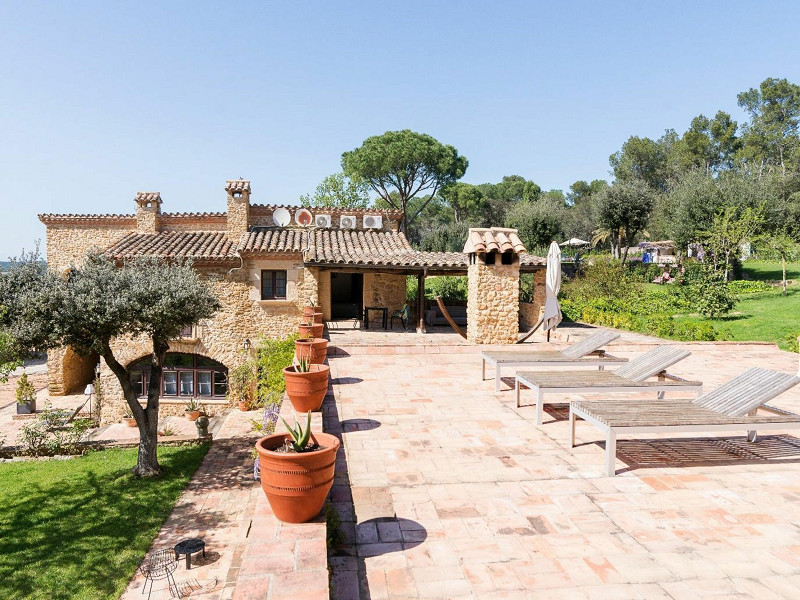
(561, 380)
(585, 353)
(733, 406)
(634, 376)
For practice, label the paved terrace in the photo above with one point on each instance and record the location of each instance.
(452, 492)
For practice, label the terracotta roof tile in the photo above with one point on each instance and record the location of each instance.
(279, 239)
(110, 219)
(237, 185)
(144, 197)
(197, 245)
(494, 239)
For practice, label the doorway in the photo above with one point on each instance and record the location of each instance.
(347, 295)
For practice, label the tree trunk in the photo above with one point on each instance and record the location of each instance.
(147, 417)
(783, 265)
(625, 253)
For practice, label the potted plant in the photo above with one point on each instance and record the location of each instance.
(308, 328)
(315, 348)
(241, 384)
(129, 419)
(306, 384)
(192, 409)
(309, 309)
(297, 471)
(26, 396)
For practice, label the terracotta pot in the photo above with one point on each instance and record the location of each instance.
(297, 483)
(308, 311)
(306, 391)
(192, 414)
(129, 421)
(243, 406)
(317, 317)
(314, 329)
(317, 347)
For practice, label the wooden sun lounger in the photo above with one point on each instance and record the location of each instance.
(587, 352)
(631, 377)
(731, 407)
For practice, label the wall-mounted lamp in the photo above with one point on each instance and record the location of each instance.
(246, 345)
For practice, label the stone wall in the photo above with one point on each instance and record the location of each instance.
(493, 302)
(238, 218)
(383, 289)
(67, 245)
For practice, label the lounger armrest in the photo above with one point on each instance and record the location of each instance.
(777, 411)
(665, 375)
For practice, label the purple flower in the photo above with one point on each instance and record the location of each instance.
(256, 469)
(271, 414)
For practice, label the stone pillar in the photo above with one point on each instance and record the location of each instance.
(238, 191)
(148, 212)
(493, 286)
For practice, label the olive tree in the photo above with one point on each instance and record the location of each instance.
(624, 210)
(100, 301)
(399, 165)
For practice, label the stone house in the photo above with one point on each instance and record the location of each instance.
(265, 263)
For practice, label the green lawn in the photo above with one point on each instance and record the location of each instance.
(768, 316)
(78, 528)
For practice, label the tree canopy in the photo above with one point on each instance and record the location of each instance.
(406, 163)
(97, 302)
(338, 191)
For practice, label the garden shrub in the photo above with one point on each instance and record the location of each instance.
(241, 382)
(273, 356)
(740, 286)
(711, 296)
(47, 436)
(452, 289)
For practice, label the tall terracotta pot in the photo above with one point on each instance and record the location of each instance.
(306, 391)
(313, 329)
(316, 349)
(318, 317)
(297, 483)
(308, 311)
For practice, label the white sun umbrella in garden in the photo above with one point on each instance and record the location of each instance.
(552, 310)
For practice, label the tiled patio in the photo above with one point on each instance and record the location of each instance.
(452, 492)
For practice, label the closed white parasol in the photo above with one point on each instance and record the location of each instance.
(552, 311)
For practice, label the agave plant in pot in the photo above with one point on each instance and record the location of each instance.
(308, 328)
(192, 409)
(310, 309)
(306, 384)
(316, 349)
(297, 470)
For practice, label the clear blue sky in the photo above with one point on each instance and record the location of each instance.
(100, 100)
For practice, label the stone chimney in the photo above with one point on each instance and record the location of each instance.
(238, 191)
(148, 212)
(493, 285)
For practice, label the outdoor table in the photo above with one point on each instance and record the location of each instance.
(381, 309)
(189, 547)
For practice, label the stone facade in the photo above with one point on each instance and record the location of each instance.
(383, 289)
(493, 302)
(236, 280)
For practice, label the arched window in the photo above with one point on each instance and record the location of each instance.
(184, 376)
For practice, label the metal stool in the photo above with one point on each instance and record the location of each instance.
(159, 565)
(189, 547)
